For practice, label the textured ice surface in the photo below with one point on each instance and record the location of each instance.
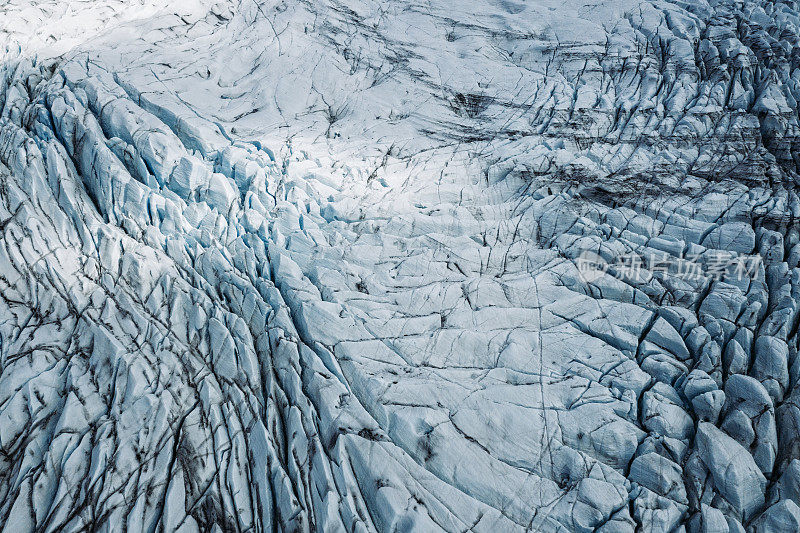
(311, 265)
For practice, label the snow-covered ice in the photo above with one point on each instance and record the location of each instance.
(273, 265)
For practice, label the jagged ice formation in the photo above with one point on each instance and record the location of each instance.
(313, 265)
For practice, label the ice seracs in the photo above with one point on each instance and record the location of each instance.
(316, 265)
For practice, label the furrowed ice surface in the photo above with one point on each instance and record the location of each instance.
(314, 265)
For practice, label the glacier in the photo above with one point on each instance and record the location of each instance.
(275, 265)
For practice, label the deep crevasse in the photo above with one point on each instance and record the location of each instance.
(312, 265)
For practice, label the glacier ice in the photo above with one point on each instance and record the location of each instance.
(316, 265)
